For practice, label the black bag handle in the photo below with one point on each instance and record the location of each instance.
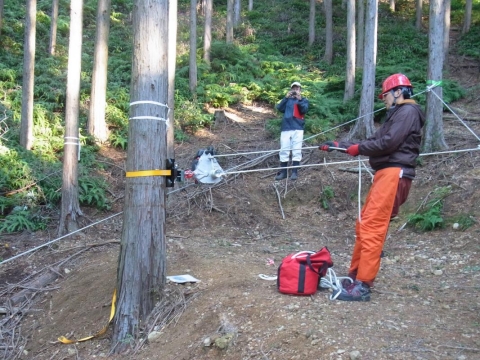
(320, 270)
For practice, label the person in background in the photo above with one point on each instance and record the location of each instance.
(392, 152)
(294, 107)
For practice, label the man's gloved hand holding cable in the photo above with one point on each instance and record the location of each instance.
(353, 150)
(326, 146)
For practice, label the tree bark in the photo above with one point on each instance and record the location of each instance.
(53, 28)
(1, 15)
(250, 5)
(392, 5)
(467, 19)
(328, 32)
(229, 29)
(237, 9)
(446, 34)
(207, 37)
(434, 140)
(419, 15)
(142, 263)
(360, 33)
(364, 127)
(70, 208)
(172, 57)
(311, 23)
(350, 70)
(26, 130)
(97, 126)
(193, 47)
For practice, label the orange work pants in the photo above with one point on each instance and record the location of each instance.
(372, 227)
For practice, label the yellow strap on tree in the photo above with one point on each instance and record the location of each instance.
(149, 173)
(64, 340)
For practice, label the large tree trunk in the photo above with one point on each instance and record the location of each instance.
(26, 131)
(172, 58)
(70, 209)
(250, 5)
(350, 71)
(311, 23)
(364, 127)
(207, 37)
(229, 28)
(433, 139)
(53, 28)
(328, 31)
(193, 47)
(142, 262)
(97, 126)
(467, 19)
(360, 33)
(419, 15)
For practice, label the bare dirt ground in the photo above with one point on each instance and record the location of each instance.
(425, 304)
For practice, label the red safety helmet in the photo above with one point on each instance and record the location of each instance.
(394, 81)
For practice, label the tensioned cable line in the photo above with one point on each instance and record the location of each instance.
(57, 239)
(459, 119)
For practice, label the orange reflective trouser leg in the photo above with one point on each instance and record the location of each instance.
(372, 227)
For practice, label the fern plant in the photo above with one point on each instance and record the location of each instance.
(430, 214)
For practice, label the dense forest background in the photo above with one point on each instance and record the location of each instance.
(270, 50)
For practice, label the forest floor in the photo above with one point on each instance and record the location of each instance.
(426, 299)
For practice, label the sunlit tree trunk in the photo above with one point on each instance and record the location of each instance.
(434, 139)
(328, 31)
(97, 126)
(141, 274)
(207, 37)
(237, 9)
(392, 5)
(53, 28)
(172, 56)
(364, 127)
(467, 19)
(350, 70)
(250, 5)
(418, 14)
(360, 27)
(311, 23)
(70, 209)
(193, 46)
(446, 34)
(26, 131)
(229, 29)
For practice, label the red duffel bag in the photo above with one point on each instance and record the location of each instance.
(300, 273)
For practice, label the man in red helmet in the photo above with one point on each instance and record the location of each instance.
(392, 152)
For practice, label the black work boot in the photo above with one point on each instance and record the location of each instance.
(356, 291)
(294, 175)
(282, 174)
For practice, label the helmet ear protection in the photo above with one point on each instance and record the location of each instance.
(407, 92)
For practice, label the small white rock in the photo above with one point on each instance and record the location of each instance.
(438, 272)
(154, 335)
(456, 226)
(67, 271)
(207, 342)
(355, 355)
